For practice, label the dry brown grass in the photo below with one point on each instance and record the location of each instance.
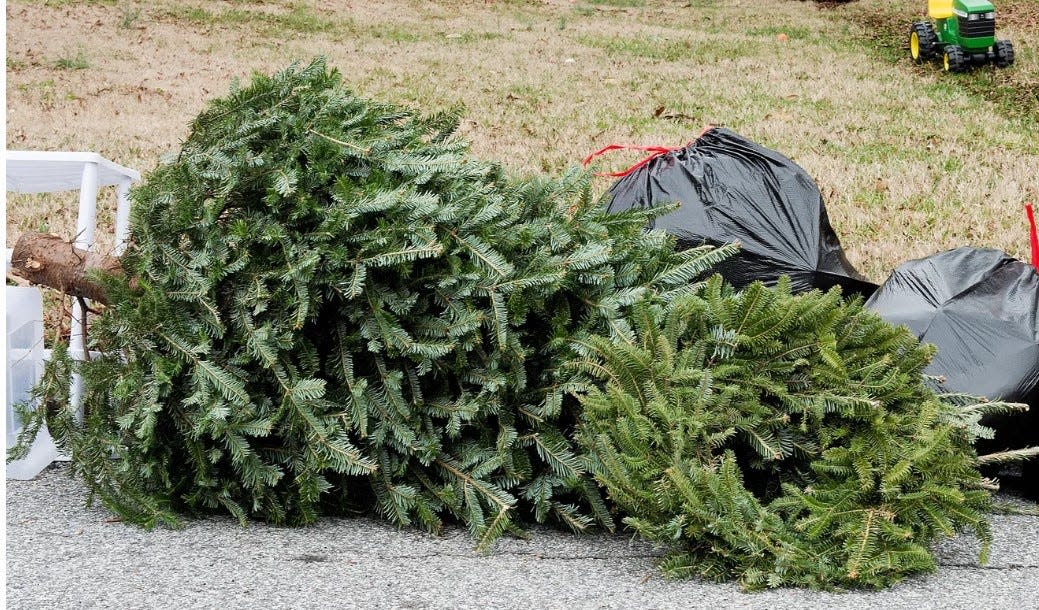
(909, 160)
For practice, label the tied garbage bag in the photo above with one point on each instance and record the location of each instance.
(980, 307)
(731, 189)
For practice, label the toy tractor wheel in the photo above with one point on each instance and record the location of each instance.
(1004, 54)
(922, 41)
(954, 59)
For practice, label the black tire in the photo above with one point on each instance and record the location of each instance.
(926, 41)
(1004, 54)
(954, 59)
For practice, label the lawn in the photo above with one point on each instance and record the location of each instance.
(909, 159)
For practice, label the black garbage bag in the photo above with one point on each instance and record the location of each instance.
(980, 307)
(732, 189)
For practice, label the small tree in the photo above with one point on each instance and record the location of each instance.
(780, 440)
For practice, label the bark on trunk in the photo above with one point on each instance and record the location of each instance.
(51, 261)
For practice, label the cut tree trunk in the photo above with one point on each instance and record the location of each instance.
(51, 261)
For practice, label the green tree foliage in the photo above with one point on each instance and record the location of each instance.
(780, 440)
(332, 307)
(328, 307)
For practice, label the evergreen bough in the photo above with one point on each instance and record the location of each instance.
(331, 307)
(781, 440)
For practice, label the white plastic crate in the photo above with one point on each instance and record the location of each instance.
(23, 367)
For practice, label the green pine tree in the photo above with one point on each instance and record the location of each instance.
(780, 440)
(332, 307)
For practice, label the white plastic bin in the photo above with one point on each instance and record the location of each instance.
(24, 366)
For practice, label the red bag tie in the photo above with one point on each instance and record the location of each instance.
(1033, 236)
(654, 152)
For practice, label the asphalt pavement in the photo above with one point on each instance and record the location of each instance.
(61, 554)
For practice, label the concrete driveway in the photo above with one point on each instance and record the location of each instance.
(62, 555)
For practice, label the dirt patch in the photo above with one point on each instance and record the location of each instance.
(1021, 15)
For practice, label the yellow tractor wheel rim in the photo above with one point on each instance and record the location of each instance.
(914, 45)
(946, 60)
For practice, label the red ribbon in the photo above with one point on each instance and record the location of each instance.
(1033, 236)
(654, 152)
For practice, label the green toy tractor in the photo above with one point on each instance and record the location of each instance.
(963, 34)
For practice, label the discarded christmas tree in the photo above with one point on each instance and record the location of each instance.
(781, 440)
(328, 305)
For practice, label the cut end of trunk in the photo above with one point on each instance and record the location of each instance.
(49, 260)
